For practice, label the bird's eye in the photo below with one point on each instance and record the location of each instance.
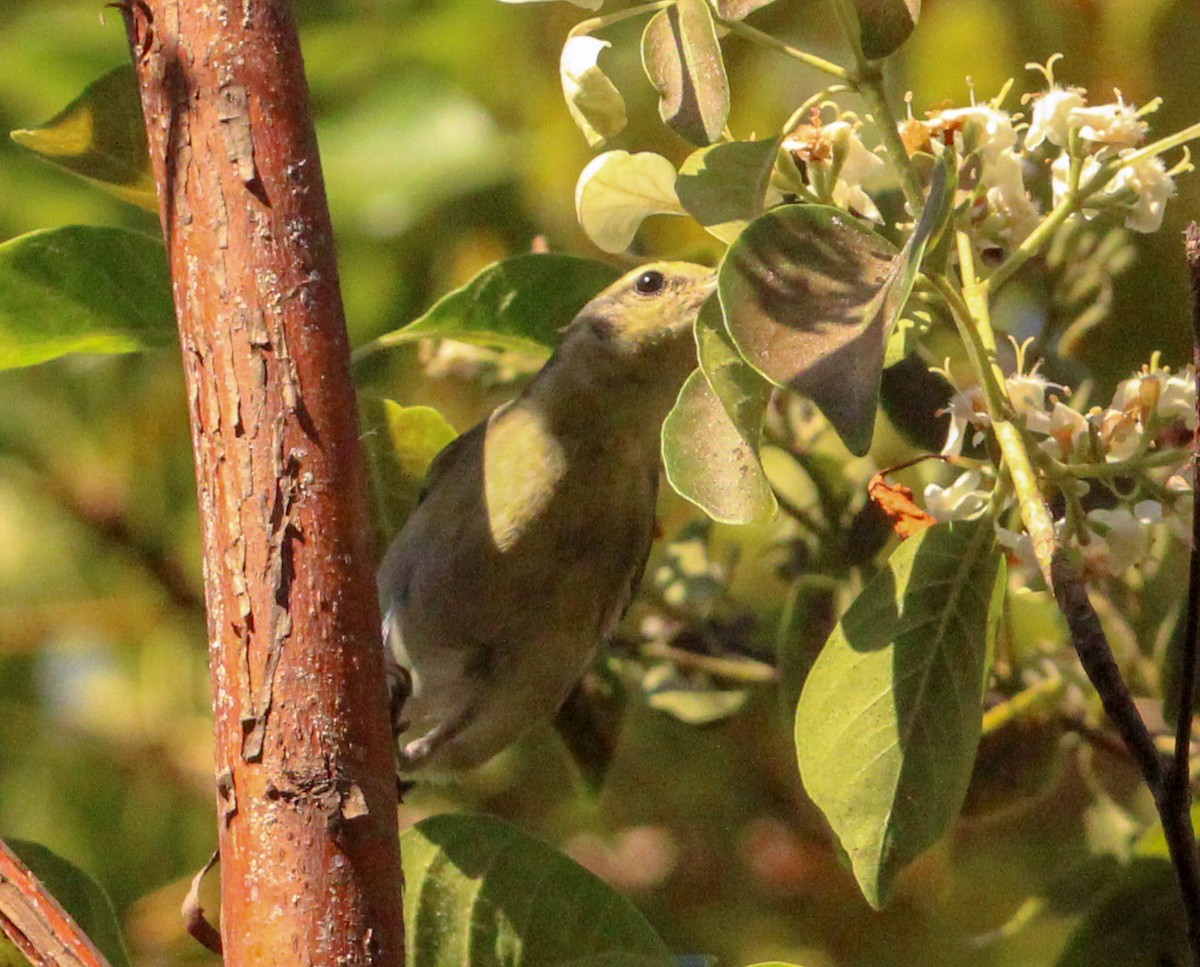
(650, 282)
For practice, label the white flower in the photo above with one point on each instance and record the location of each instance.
(1063, 427)
(1151, 186)
(991, 130)
(1115, 125)
(1012, 214)
(1028, 392)
(837, 147)
(859, 166)
(1051, 118)
(1018, 544)
(1177, 401)
(962, 500)
(1120, 537)
(1060, 177)
(1159, 393)
(965, 407)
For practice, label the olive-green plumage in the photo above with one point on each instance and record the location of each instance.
(534, 528)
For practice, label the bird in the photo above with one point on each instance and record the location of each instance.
(533, 529)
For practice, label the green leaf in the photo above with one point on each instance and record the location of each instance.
(723, 186)
(479, 892)
(101, 136)
(80, 289)
(400, 443)
(519, 303)
(711, 435)
(593, 100)
(617, 191)
(1138, 924)
(888, 722)
(809, 295)
(682, 58)
(885, 24)
(80, 895)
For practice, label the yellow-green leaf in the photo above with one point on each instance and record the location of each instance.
(888, 722)
(100, 136)
(481, 892)
(400, 443)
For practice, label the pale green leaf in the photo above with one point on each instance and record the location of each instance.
(100, 136)
(682, 58)
(888, 722)
(520, 303)
(593, 100)
(711, 435)
(723, 186)
(400, 442)
(617, 191)
(81, 289)
(481, 893)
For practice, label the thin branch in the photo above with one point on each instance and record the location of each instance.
(33, 920)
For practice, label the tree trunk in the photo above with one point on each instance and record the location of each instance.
(310, 863)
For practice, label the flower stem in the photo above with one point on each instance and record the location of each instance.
(782, 47)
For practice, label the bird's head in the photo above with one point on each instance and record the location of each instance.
(654, 303)
(640, 327)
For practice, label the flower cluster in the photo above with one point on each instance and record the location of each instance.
(1118, 468)
(1092, 152)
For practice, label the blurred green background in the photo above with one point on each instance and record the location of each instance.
(446, 145)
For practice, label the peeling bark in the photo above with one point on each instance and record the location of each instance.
(305, 785)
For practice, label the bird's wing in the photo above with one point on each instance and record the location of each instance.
(443, 463)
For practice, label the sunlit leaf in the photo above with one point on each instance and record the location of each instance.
(804, 290)
(481, 892)
(885, 24)
(682, 58)
(519, 303)
(79, 894)
(711, 435)
(617, 191)
(888, 723)
(723, 186)
(101, 136)
(593, 100)
(81, 289)
(400, 442)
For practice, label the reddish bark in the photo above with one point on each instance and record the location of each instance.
(310, 863)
